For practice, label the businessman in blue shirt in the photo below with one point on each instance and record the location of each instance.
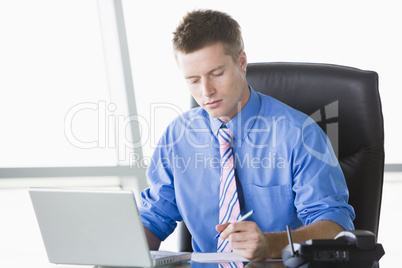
(285, 170)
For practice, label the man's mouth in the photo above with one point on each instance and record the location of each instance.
(213, 104)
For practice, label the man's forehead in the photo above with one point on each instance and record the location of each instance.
(204, 60)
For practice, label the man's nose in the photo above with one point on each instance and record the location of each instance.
(207, 87)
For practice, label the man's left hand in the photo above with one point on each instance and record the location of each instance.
(246, 239)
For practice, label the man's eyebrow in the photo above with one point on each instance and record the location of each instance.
(209, 72)
(191, 77)
(217, 68)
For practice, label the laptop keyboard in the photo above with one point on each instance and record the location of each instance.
(161, 254)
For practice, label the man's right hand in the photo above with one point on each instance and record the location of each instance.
(153, 241)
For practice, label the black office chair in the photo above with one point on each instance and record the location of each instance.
(345, 102)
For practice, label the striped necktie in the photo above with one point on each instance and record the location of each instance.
(229, 207)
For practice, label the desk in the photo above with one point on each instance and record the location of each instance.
(192, 264)
(183, 265)
(263, 264)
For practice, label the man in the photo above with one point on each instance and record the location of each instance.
(276, 175)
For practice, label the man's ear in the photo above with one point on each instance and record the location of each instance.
(243, 60)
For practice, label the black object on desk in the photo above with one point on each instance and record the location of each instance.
(349, 249)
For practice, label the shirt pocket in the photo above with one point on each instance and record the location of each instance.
(273, 205)
(270, 191)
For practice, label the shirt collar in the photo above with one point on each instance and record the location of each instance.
(241, 124)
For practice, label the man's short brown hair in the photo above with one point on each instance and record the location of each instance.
(201, 28)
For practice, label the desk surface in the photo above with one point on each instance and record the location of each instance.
(264, 264)
(181, 265)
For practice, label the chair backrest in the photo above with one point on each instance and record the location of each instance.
(345, 102)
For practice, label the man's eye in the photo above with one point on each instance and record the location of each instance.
(217, 74)
(194, 81)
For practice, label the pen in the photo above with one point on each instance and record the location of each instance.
(242, 218)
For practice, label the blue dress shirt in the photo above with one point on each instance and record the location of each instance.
(286, 170)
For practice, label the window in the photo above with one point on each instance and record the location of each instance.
(54, 87)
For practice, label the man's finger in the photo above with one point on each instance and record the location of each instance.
(221, 227)
(235, 227)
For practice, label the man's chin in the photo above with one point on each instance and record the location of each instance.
(222, 118)
(214, 113)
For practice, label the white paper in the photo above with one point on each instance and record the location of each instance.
(217, 257)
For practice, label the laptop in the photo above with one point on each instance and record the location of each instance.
(95, 227)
